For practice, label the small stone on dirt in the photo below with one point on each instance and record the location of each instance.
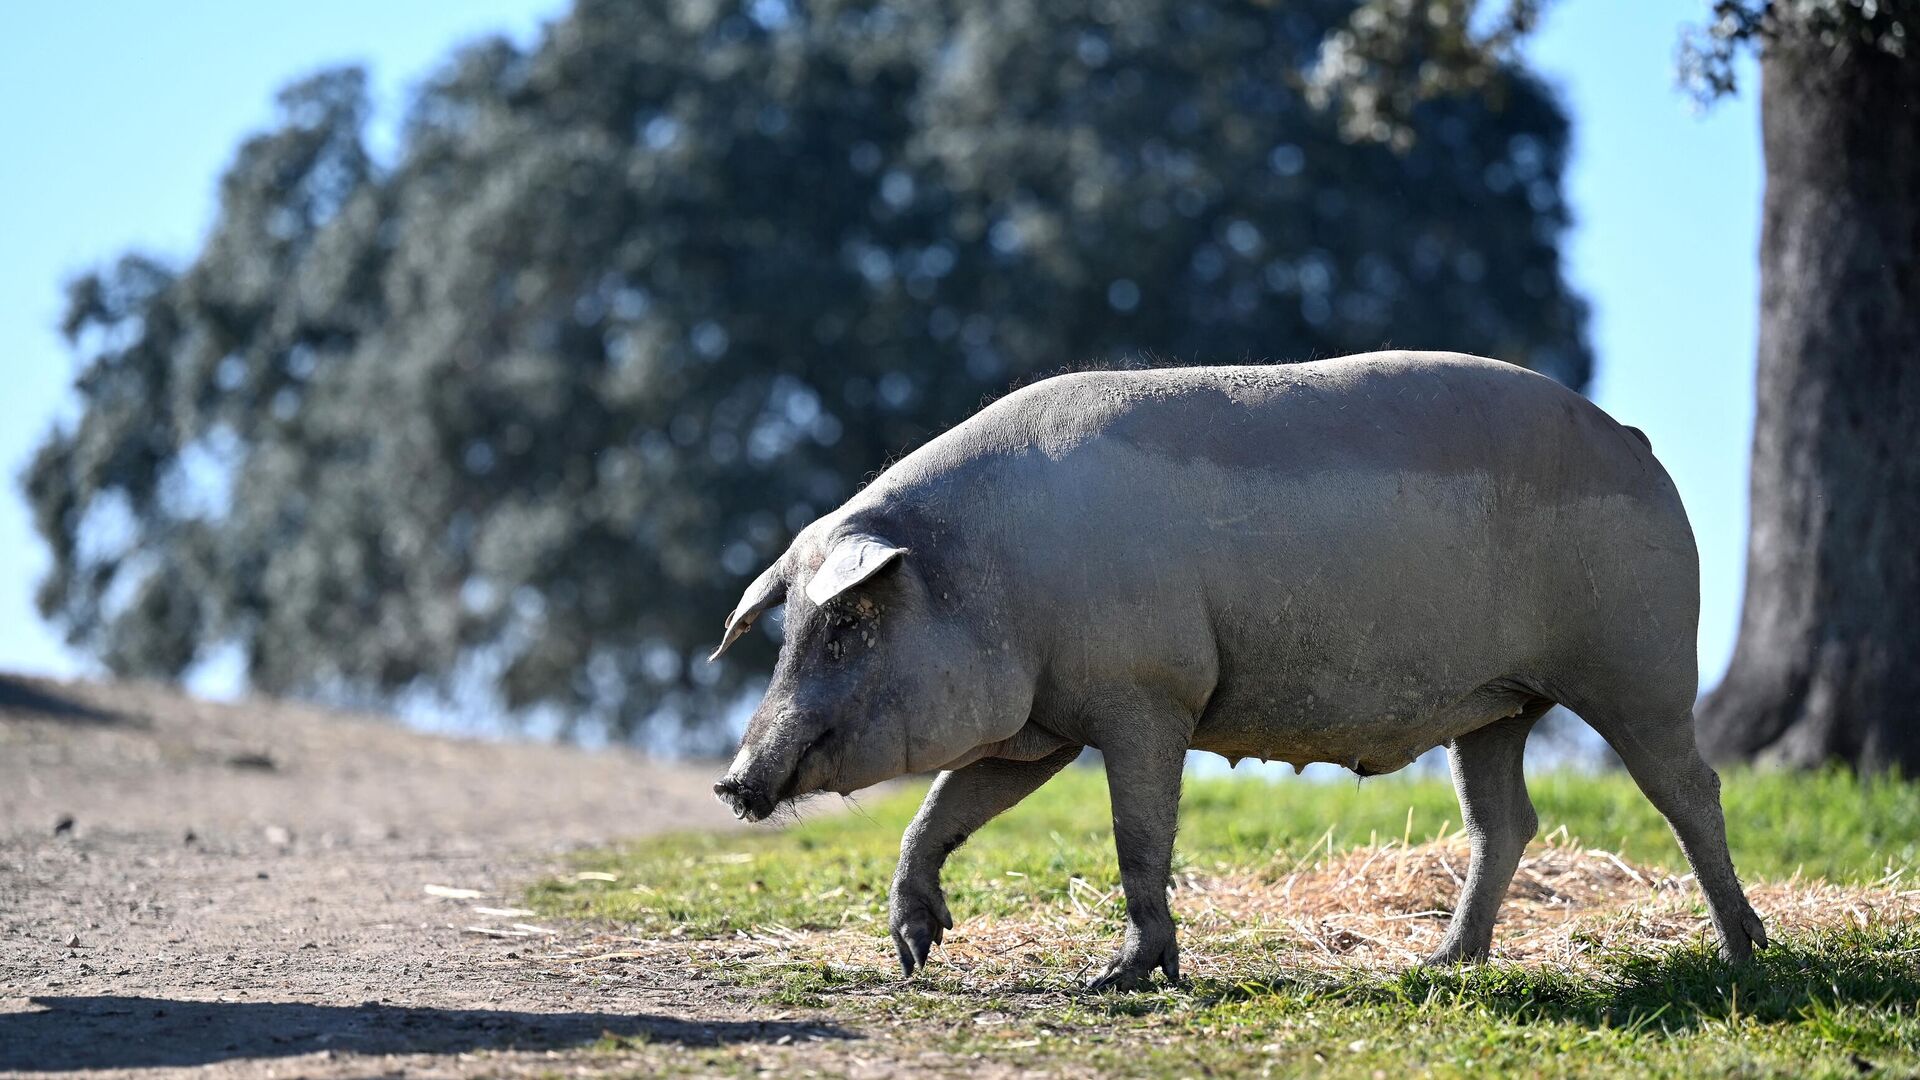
(255, 760)
(73, 941)
(64, 825)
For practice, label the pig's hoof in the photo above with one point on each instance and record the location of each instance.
(919, 919)
(1451, 953)
(1736, 946)
(1132, 968)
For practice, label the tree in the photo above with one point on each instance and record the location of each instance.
(1824, 667)
(1827, 663)
(523, 408)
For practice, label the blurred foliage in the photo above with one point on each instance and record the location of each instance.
(524, 407)
(1391, 56)
(1708, 52)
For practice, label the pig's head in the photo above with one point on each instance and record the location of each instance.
(887, 668)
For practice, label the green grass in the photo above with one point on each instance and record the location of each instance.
(1812, 1004)
(1826, 825)
(1814, 1007)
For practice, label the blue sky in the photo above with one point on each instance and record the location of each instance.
(117, 119)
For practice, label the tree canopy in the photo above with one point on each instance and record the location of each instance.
(524, 406)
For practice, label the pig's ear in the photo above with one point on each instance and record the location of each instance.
(853, 560)
(767, 590)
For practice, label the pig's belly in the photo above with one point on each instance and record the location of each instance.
(1369, 729)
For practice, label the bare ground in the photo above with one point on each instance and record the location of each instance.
(241, 890)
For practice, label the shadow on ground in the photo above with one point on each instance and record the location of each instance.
(27, 696)
(70, 1033)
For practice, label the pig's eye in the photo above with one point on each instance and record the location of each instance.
(843, 627)
(838, 620)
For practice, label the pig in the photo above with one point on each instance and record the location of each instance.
(1352, 560)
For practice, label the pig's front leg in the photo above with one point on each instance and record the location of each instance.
(959, 804)
(1143, 778)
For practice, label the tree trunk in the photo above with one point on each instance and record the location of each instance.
(1827, 666)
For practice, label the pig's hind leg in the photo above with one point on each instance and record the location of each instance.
(1657, 745)
(1499, 820)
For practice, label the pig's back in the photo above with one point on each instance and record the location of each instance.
(1345, 542)
(1430, 414)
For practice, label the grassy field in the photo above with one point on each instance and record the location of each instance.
(1302, 905)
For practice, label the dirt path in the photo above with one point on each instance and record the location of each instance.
(242, 890)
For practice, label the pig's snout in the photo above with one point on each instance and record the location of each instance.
(772, 771)
(749, 803)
